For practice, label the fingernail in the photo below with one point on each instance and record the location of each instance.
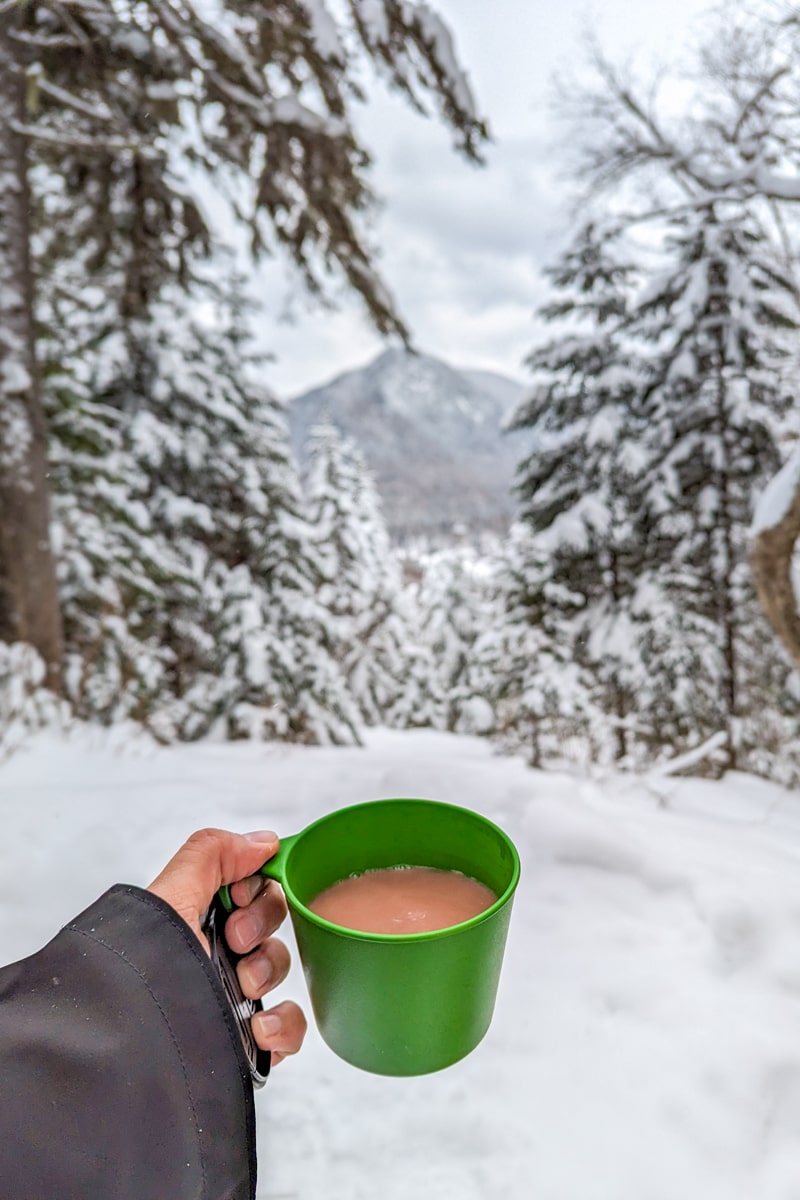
(249, 928)
(260, 973)
(252, 886)
(268, 1024)
(264, 836)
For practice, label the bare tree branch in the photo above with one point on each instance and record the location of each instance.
(98, 111)
(761, 93)
(99, 145)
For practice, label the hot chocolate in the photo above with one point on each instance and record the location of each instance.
(403, 900)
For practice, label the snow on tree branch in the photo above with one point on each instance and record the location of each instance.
(279, 79)
(417, 51)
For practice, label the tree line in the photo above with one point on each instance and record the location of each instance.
(153, 551)
(159, 550)
(663, 405)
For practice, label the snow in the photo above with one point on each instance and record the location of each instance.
(288, 110)
(16, 434)
(15, 378)
(436, 32)
(689, 760)
(324, 31)
(161, 89)
(644, 1045)
(777, 497)
(372, 14)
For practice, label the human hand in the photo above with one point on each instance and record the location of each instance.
(189, 882)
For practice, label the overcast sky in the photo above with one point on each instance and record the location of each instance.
(463, 247)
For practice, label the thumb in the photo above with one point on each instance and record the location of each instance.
(210, 858)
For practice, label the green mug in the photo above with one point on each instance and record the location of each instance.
(409, 1003)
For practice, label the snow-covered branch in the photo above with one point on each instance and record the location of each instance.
(97, 112)
(114, 145)
(691, 758)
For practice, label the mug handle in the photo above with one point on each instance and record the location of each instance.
(273, 868)
(225, 961)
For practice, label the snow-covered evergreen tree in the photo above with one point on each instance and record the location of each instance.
(522, 662)
(112, 565)
(233, 635)
(712, 332)
(26, 703)
(580, 496)
(721, 176)
(717, 320)
(121, 108)
(656, 417)
(451, 601)
(360, 587)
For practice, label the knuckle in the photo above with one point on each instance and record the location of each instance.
(203, 837)
(294, 1017)
(280, 962)
(301, 1027)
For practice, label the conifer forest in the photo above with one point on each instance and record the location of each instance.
(166, 559)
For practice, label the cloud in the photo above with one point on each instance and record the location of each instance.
(462, 248)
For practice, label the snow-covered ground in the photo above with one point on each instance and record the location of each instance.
(646, 1041)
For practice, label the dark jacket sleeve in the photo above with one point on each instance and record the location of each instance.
(122, 1073)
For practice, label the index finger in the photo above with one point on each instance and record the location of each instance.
(244, 891)
(246, 927)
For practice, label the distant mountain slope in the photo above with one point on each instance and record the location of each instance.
(431, 434)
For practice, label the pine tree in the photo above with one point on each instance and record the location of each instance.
(243, 640)
(580, 492)
(112, 566)
(111, 563)
(452, 602)
(655, 422)
(361, 584)
(522, 662)
(717, 320)
(703, 190)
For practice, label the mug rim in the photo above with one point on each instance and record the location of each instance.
(296, 905)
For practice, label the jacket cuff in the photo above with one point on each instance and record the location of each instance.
(164, 956)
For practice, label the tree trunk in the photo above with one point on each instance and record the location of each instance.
(771, 560)
(618, 705)
(29, 607)
(724, 582)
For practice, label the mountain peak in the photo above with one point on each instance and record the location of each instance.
(430, 433)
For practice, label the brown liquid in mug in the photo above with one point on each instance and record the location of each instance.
(403, 900)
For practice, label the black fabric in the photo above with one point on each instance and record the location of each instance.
(122, 1073)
